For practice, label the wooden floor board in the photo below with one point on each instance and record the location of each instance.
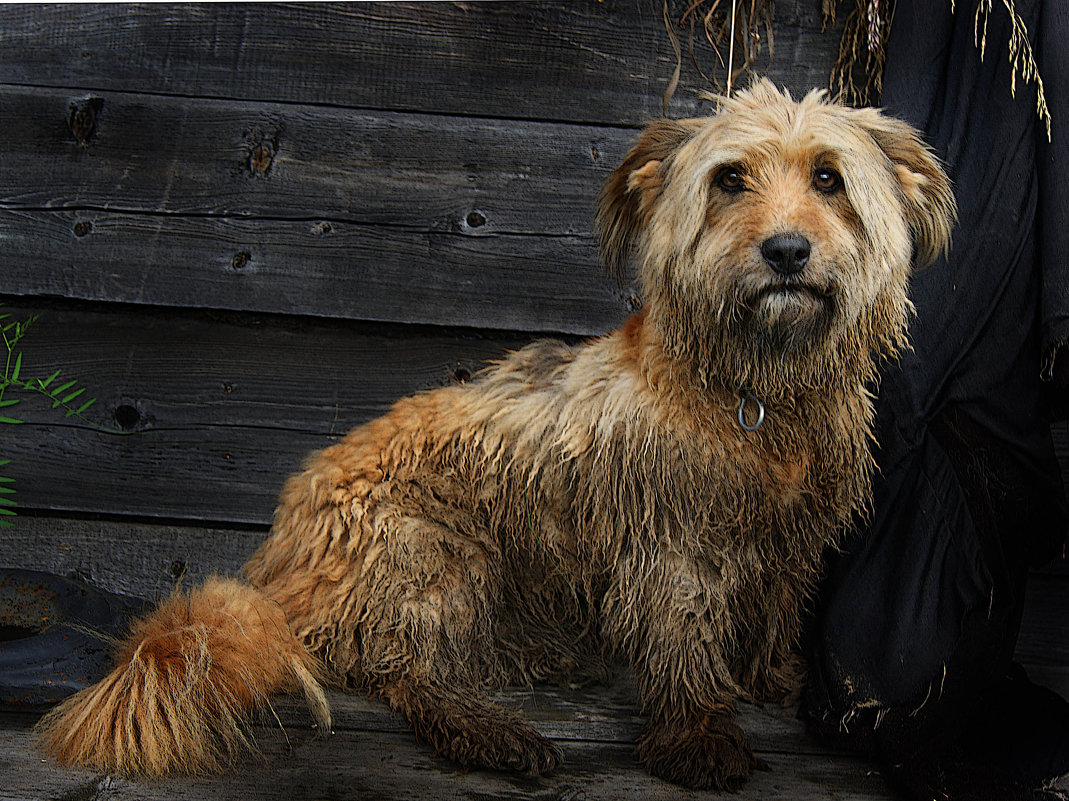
(372, 755)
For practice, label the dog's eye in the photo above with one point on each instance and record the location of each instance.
(730, 179)
(827, 180)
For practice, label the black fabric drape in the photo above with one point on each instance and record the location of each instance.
(1053, 173)
(926, 595)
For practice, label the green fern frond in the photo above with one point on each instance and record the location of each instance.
(43, 383)
(63, 396)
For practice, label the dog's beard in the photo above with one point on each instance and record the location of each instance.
(773, 336)
(787, 318)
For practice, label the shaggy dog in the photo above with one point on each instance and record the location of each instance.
(661, 494)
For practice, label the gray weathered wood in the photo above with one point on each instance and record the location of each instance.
(606, 62)
(393, 766)
(519, 283)
(427, 176)
(184, 370)
(185, 155)
(373, 756)
(138, 559)
(222, 411)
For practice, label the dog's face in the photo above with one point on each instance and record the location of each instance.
(777, 229)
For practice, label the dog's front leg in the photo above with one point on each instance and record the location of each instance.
(668, 613)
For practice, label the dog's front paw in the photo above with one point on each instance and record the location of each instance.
(709, 754)
(470, 729)
(535, 755)
(514, 747)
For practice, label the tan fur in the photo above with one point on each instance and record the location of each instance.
(186, 678)
(573, 504)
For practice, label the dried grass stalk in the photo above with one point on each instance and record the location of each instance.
(739, 27)
(863, 48)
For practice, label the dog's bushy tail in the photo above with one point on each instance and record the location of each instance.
(187, 677)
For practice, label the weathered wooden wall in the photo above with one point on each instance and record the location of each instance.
(250, 227)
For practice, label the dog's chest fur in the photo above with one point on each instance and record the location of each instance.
(641, 462)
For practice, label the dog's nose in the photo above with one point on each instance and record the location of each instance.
(787, 254)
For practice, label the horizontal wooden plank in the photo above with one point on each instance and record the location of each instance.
(388, 765)
(343, 270)
(223, 157)
(223, 410)
(138, 559)
(386, 762)
(231, 474)
(402, 217)
(208, 395)
(605, 62)
(188, 370)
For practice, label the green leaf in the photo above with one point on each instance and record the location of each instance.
(8, 402)
(6, 480)
(44, 384)
(8, 502)
(81, 409)
(6, 491)
(63, 388)
(4, 511)
(73, 395)
(18, 368)
(10, 421)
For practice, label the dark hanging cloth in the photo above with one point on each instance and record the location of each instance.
(917, 620)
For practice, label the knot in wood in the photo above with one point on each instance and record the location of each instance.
(475, 219)
(261, 158)
(126, 417)
(83, 117)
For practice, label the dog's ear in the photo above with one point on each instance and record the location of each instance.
(630, 194)
(930, 206)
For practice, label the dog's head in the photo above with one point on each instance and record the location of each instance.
(777, 234)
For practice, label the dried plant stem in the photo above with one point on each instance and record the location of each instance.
(864, 41)
(1021, 58)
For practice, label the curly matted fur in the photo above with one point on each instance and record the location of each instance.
(577, 503)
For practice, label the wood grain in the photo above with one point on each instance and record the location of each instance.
(373, 756)
(349, 271)
(202, 418)
(606, 62)
(190, 155)
(140, 559)
(281, 218)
